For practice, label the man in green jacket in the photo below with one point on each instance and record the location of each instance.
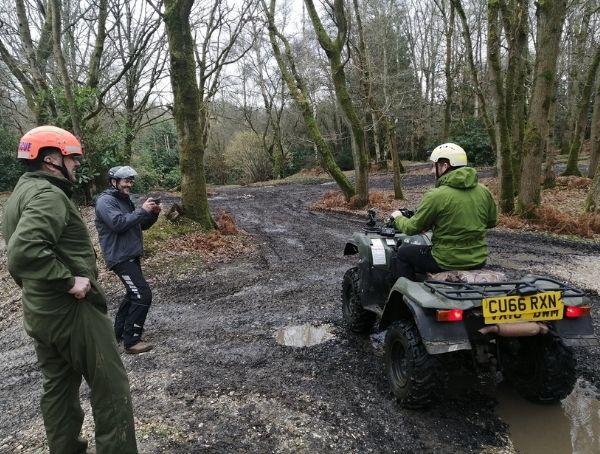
(458, 211)
(51, 257)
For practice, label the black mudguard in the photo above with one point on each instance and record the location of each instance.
(576, 332)
(438, 337)
(351, 248)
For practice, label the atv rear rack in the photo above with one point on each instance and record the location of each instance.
(462, 291)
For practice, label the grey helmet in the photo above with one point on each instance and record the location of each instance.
(120, 172)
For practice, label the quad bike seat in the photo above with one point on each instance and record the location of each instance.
(468, 276)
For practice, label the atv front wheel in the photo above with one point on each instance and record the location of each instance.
(541, 368)
(412, 372)
(358, 319)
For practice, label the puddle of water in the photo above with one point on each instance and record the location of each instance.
(573, 426)
(303, 335)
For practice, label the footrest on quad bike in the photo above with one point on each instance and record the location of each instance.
(467, 276)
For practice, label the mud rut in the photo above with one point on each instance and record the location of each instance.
(218, 382)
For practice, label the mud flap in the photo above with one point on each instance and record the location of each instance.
(438, 337)
(576, 332)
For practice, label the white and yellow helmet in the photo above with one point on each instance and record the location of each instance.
(450, 151)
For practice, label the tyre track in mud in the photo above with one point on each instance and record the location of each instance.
(218, 382)
(328, 398)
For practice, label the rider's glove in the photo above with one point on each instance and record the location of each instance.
(396, 214)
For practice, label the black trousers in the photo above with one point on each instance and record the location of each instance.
(413, 259)
(131, 316)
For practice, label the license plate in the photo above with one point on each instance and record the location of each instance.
(517, 308)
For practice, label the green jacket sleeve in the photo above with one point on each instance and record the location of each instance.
(423, 219)
(31, 246)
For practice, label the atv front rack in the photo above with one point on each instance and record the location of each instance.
(462, 291)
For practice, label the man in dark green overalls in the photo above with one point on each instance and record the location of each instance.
(51, 257)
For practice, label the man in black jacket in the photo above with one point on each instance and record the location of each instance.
(119, 225)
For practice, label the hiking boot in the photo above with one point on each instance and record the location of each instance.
(140, 347)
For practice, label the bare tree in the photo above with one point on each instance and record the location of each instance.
(575, 54)
(140, 48)
(423, 34)
(333, 49)
(550, 19)
(512, 18)
(299, 92)
(29, 71)
(380, 114)
(474, 69)
(595, 134)
(273, 96)
(75, 114)
(196, 70)
(592, 202)
(581, 119)
(449, 25)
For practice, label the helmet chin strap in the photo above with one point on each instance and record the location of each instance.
(437, 173)
(62, 168)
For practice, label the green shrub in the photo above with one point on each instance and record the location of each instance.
(157, 159)
(473, 137)
(247, 158)
(10, 168)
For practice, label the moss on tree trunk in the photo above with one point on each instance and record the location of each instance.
(187, 112)
(551, 16)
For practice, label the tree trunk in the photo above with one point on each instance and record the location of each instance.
(581, 120)
(186, 112)
(333, 50)
(299, 93)
(482, 104)
(595, 134)
(62, 66)
(392, 144)
(389, 128)
(39, 99)
(507, 190)
(550, 19)
(592, 202)
(549, 179)
(579, 31)
(449, 30)
(516, 20)
(94, 68)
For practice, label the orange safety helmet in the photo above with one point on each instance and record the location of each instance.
(48, 136)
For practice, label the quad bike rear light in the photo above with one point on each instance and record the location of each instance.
(449, 315)
(577, 311)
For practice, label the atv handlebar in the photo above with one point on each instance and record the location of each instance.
(388, 224)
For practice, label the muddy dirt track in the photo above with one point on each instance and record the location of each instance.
(217, 380)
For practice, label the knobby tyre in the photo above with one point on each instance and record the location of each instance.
(540, 368)
(356, 317)
(412, 372)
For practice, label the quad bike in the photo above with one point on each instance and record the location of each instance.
(522, 328)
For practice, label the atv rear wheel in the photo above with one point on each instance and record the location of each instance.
(412, 371)
(541, 368)
(358, 319)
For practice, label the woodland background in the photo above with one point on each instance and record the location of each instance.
(212, 92)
